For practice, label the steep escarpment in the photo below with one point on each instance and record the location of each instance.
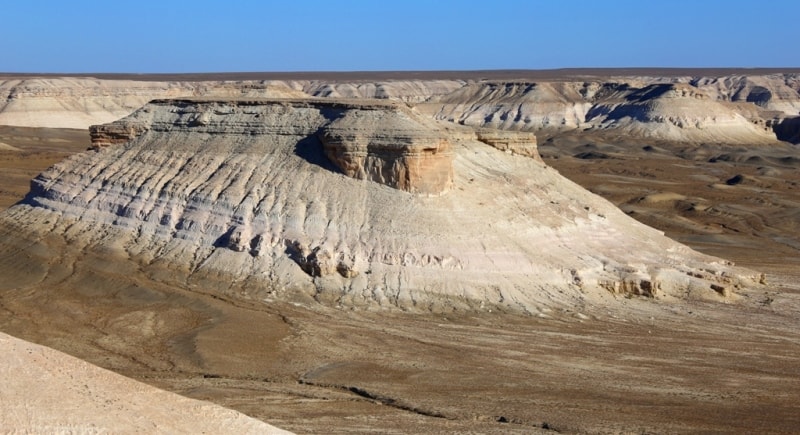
(81, 102)
(667, 111)
(76, 103)
(390, 148)
(515, 105)
(409, 91)
(776, 92)
(720, 109)
(239, 197)
(675, 112)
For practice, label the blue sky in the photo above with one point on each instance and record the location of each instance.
(349, 35)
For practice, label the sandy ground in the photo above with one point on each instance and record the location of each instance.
(634, 366)
(741, 203)
(38, 148)
(73, 396)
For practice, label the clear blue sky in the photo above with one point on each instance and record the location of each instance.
(349, 35)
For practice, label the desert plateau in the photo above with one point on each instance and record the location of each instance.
(515, 251)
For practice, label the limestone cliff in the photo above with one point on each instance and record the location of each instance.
(239, 197)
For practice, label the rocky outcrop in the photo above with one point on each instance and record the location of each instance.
(238, 197)
(390, 147)
(77, 102)
(668, 111)
(114, 133)
(515, 142)
(772, 92)
(408, 91)
(380, 141)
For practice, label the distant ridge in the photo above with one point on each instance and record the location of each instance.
(334, 76)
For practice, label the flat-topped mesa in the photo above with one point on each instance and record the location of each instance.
(376, 140)
(238, 196)
(390, 148)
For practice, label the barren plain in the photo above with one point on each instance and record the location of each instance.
(629, 364)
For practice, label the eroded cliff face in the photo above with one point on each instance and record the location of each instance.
(677, 112)
(728, 109)
(381, 141)
(391, 148)
(240, 197)
(81, 102)
(774, 92)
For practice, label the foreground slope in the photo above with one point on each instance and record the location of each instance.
(357, 203)
(46, 391)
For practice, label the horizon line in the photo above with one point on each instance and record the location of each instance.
(551, 73)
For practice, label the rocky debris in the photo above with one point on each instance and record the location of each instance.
(641, 286)
(236, 194)
(319, 261)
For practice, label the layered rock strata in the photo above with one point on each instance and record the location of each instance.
(676, 112)
(114, 133)
(732, 108)
(666, 111)
(390, 148)
(239, 197)
(516, 142)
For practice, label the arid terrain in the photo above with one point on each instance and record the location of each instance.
(592, 361)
